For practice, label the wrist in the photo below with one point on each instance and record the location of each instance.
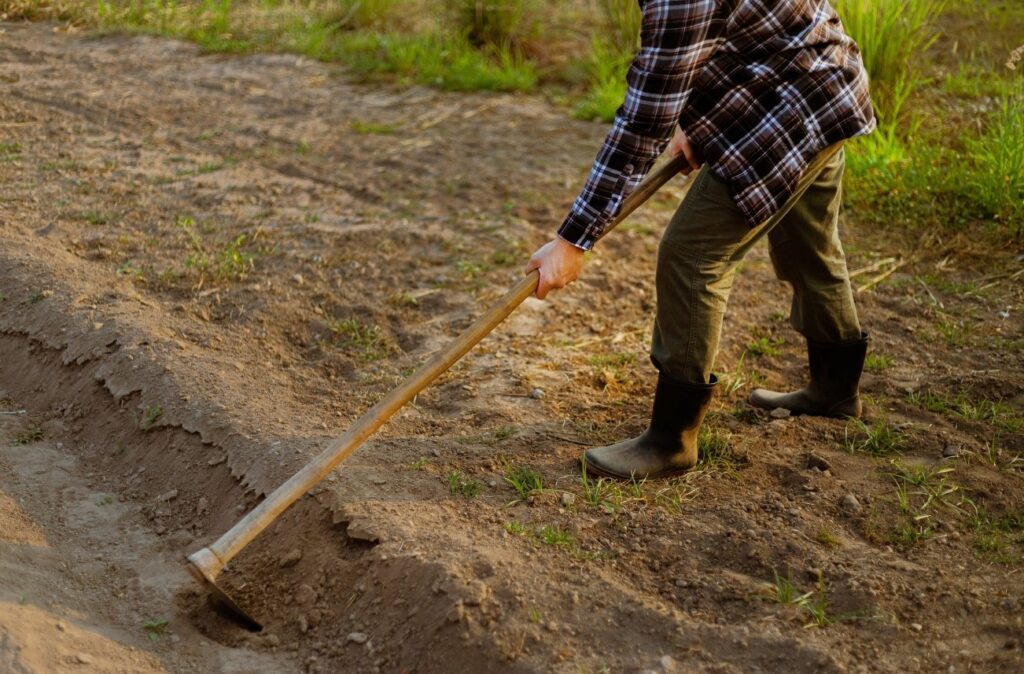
(568, 245)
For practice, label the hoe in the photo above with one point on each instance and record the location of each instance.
(206, 564)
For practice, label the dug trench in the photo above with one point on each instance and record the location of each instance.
(341, 586)
(326, 598)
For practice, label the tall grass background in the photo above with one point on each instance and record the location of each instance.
(923, 167)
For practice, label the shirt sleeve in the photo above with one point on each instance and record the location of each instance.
(676, 38)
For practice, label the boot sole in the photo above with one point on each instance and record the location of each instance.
(596, 469)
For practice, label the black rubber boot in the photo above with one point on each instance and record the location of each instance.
(835, 376)
(669, 445)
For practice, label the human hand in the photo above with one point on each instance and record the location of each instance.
(680, 144)
(559, 263)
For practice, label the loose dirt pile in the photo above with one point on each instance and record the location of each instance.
(211, 265)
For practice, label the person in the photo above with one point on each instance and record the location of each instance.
(760, 95)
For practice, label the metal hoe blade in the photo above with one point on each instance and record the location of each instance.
(229, 608)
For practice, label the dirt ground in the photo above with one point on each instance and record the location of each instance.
(211, 265)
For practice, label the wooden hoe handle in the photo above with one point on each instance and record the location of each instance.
(211, 560)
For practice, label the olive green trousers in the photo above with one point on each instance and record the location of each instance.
(706, 240)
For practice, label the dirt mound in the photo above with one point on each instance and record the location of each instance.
(208, 269)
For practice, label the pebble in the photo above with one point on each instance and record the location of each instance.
(273, 640)
(62, 627)
(668, 663)
(917, 627)
(779, 413)
(297, 278)
(305, 595)
(435, 452)
(168, 496)
(537, 393)
(358, 638)
(951, 450)
(83, 659)
(818, 462)
(850, 504)
(568, 499)
(291, 558)
(217, 460)
(361, 531)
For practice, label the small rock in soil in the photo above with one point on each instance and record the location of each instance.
(850, 504)
(305, 595)
(816, 462)
(167, 496)
(361, 531)
(217, 460)
(917, 627)
(291, 558)
(568, 499)
(950, 451)
(83, 659)
(537, 393)
(62, 627)
(668, 664)
(779, 413)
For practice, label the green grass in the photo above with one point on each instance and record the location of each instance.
(374, 128)
(524, 480)
(231, 260)
(606, 70)
(10, 152)
(878, 439)
(444, 61)
(155, 628)
(893, 36)
(27, 437)
(813, 604)
(877, 362)
(611, 51)
(766, 346)
(149, 416)
(365, 340)
(998, 414)
(496, 23)
(460, 484)
(547, 534)
(714, 452)
(94, 217)
(997, 179)
(827, 538)
(999, 539)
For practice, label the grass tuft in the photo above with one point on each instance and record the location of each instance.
(460, 484)
(524, 480)
(877, 439)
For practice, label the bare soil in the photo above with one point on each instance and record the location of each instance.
(211, 265)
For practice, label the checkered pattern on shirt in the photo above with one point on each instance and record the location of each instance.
(759, 86)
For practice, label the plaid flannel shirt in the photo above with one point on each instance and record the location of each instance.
(759, 86)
